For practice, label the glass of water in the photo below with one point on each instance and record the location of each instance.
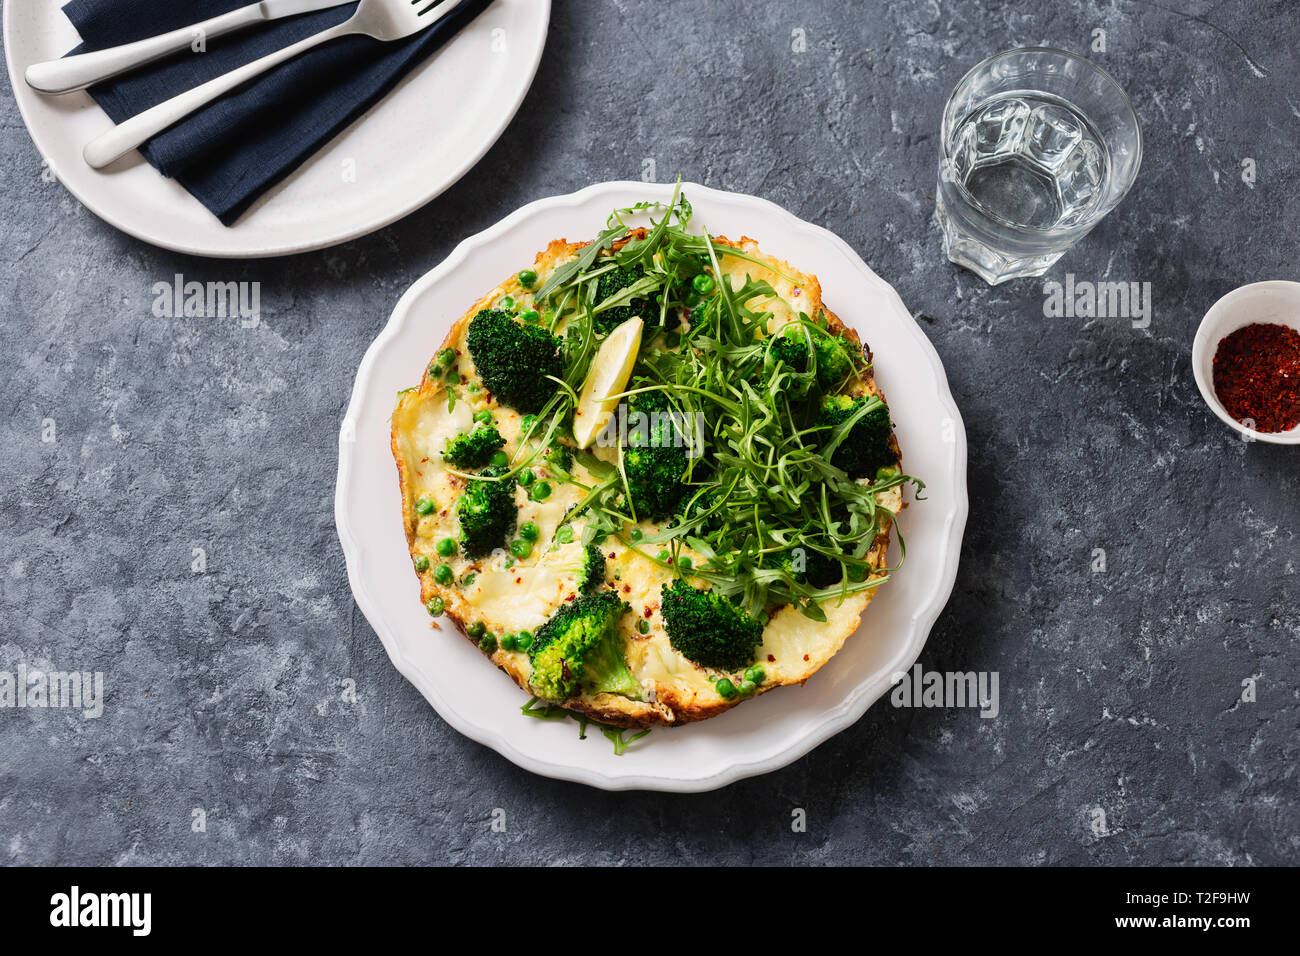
(1038, 145)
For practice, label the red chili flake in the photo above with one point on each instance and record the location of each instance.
(627, 589)
(1257, 376)
(805, 657)
(771, 658)
(649, 610)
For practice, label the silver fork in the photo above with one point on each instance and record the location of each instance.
(385, 20)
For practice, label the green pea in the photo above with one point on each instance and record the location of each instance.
(500, 459)
(476, 629)
(472, 386)
(636, 534)
(468, 579)
(507, 303)
(425, 506)
(446, 547)
(525, 477)
(453, 377)
(435, 607)
(755, 675)
(507, 642)
(484, 416)
(443, 574)
(531, 316)
(702, 283)
(422, 563)
(643, 626)
(528, 531)
(487, 643)
(527, 278)
(524, 640)
(692, 299)
(684, 563)
(521, 548)
(564, 535)
(541, 491)
(509, 562)
(446, 357)
(747, 688)
(726, 689)
(885, 472)
(527, 422)
(665, 556)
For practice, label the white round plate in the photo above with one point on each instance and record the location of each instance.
(763, 734)
(462, 97)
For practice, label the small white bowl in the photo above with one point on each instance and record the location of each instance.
(1276, 302)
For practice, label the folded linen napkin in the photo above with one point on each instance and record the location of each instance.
(234, 150)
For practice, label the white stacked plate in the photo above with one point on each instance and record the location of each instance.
(416, 142)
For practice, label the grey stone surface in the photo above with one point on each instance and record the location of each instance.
(1120, 690)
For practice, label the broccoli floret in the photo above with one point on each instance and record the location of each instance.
(514, 359)
(559, 457)
(591, 573)
(791, 349)
(835, 359)
(580, 648)
(867, 447)
(474, 448)
(706, 628)
(655, 456)
(813, 567)
(612, 283)
(487, 513)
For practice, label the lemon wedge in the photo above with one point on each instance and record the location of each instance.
(610, 370)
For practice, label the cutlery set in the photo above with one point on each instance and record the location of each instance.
(383, 20)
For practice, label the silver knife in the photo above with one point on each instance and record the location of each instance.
(86, 69)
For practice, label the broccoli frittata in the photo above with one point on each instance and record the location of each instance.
(724, 531)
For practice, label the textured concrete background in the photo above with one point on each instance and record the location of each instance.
(1120, 690)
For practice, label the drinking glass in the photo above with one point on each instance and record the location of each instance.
(1038, 145)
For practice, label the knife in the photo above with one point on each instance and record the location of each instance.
(86, 69)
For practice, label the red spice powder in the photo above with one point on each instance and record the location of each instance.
(1257, 376)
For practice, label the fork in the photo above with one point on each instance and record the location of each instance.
(384, 20)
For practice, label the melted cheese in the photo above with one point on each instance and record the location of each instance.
(795, 291)
(521, 598)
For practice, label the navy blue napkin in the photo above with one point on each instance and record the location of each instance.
(234, 150)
